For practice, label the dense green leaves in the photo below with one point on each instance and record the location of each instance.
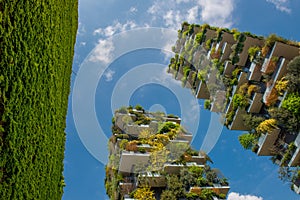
(292, 104)
(37, 43)
(293, 75)
(247, 140)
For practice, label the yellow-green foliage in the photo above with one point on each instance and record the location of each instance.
(144, 193)
(281, 85)
(266, 126)
(37, 44)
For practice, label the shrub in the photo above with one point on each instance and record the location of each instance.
(139, 107)
(281, 85)
(266, 126)
(252, 51)
(292, 104)
(247, 140)
(207, 104)
(123, 110)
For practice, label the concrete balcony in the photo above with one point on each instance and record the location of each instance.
(175, 168)
(185, 136)
(126, 188)
(202, 91)
(200, 160)
(226, 51)
(250, 41)
(296, 186)
(238, 122)
(228, 68)
(152, 179)
(254, 72)
(130, 159)
(295, 160)
(190, 80)
(179, 74)
(284, 50)
(266, 142)
(217, 188)
(177, 120)
(255, 103)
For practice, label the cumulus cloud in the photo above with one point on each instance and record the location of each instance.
(237, 196)
(281, 5)
(133, 9)
(115, 28)
(103, 51)
(109, 75)
(217, 12)
(214, 12)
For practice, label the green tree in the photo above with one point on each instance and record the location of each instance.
(187, 178)
(292, 104)
(167, 195)
(285, 119)
(175, 186)
(293, 75)
(252, 121)
(247, 140)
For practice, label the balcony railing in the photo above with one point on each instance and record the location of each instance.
(265, 65)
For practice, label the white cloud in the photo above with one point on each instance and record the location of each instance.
(237, 196)
(133, 9)
(281, 5)
(173, 13)
(103, 51)
(193, 14)
(109, 75)
(81, 29)
(82, 43)
(115, 28)
(217, 12)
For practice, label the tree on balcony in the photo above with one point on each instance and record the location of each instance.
(292, 104)
(285, 119)
(266, 126)
(252, 121)
(293, 75)
(247, 140)
(281, 85)
(144, 193)
(272, 97)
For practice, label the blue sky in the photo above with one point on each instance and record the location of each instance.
(113, 55)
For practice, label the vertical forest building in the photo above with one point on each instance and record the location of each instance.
(252, 81)
(150, 157)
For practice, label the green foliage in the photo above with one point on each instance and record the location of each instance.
(239, 101)
(123, 110)
(208, 44)
(252, 121)
(139, 107)
(167, 127)
(207, 104)
(252, 51)
(167, 195)
(247, 140)
(292, 104)
(207, 194)
(37, 47)
(200, 37)
(293, 75)
(175, 186)
(144, 193)
(285, 119)
(191, 195)
(271, 39)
